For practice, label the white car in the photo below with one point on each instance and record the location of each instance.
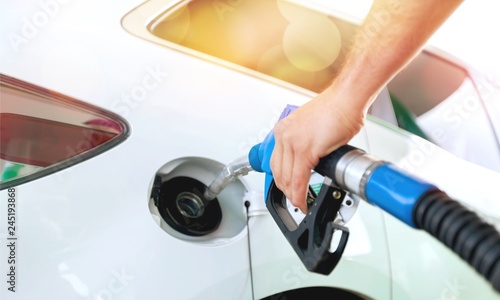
(100, 98)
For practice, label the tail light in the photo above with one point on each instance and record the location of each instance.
(42, 132)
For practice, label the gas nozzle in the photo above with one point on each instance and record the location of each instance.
(238, 167)
(418, 204)
(312, 238)
(415, 202)
(375, 181)
(349, 170)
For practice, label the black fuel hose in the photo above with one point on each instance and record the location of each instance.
(463, 231)
(418, 204)
(415, 202)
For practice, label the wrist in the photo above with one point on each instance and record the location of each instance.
(349, 100)
(347, 110)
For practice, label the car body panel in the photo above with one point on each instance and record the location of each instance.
(87, 231)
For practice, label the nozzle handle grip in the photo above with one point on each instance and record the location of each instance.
(328, 164)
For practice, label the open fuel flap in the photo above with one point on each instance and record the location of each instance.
(177, 204)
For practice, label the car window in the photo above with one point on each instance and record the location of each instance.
(447, 103)
(280, 39)
(302, 46)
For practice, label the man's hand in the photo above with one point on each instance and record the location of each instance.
(336, 115)
(312, 131)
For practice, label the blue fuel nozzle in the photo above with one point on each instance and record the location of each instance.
(260, 154)
(412, 200)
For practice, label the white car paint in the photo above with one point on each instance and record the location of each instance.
(87, 232)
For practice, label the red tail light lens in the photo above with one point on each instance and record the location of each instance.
(42, 132)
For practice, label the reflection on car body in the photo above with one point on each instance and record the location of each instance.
(88, 223)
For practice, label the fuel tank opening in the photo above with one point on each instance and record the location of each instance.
(180, 208)
(181, 205)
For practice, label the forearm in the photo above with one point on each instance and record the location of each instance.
(392, 34)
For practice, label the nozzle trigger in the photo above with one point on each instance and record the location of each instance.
(312, 238)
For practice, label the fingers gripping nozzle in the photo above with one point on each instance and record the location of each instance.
(312, 238)
(349, 170)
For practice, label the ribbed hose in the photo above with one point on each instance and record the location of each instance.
(476, 241)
